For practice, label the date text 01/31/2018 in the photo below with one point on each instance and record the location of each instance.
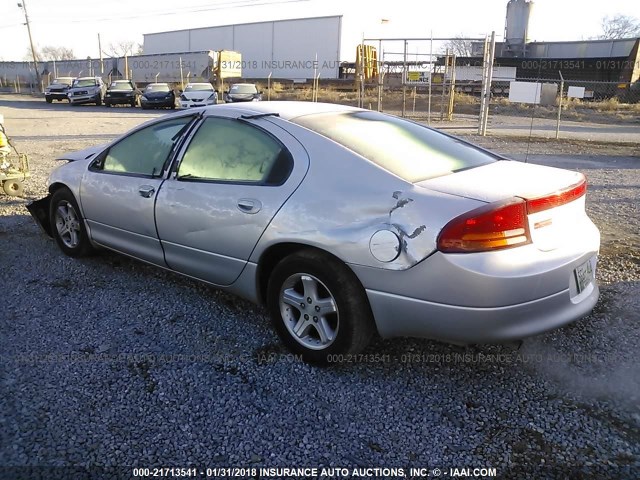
(312, 472)
(579, 64)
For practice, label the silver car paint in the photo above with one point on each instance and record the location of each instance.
(399, 316)
(504, 179)
(83, 154)
(464, 298)
(334, 213)
(488, 279)
(119, 216)
(70, 175)
(204, 231)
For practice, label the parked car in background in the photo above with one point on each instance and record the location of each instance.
(158, 95)
(122, 92)
(243, 92)
(87, 90)
(58, 89)
(342, 221)
(198, 95)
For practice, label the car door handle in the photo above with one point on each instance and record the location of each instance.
(146, 191)
(249, 205)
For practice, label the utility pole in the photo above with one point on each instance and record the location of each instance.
(487, 77)
(559, 105)
(23, 6)
(101, 59)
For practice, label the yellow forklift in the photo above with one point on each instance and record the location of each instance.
(14, 166)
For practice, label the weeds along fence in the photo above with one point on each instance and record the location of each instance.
(581, 107)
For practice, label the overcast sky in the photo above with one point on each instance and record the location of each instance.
(76, 23)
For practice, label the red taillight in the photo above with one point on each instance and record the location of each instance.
(558, 198)
(491, 227)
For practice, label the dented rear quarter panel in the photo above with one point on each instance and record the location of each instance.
(344, 199)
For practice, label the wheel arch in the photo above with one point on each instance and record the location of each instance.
(275, 253)
(58, 185)
(55, 186)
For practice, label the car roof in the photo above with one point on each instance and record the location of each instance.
(162, 83)
(286, 110)
(199, 83)
(243, 85)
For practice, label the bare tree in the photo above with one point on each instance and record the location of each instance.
(619, 26)
(29, 57)
(460, 47)
(56, 53)
(50, 53)
(123, 48)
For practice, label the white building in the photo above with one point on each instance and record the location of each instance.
(287, 49)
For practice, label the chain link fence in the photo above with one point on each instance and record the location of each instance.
(583, 109)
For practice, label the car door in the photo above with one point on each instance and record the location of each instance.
(119, 189)
(233, 177)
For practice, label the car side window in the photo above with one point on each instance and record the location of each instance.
(145, 152)
(234, 151)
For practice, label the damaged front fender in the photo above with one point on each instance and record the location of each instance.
(39, 209)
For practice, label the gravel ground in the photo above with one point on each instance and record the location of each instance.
(108, 362)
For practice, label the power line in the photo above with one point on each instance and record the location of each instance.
(175, 11)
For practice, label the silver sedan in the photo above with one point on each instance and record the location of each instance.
(343, 222)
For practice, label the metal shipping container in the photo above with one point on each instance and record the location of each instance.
(292, 49)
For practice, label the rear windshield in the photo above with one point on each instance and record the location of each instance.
(122, 85)
(407, 149)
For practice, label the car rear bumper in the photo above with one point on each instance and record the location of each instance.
(489, 296)
(398, 316)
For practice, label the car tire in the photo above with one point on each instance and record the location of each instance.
(318, 307)
(67, 225)
(99, 100)
(107, 104)
(49, 100)
(13, 188)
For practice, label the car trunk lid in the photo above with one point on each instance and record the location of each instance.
(555, 198)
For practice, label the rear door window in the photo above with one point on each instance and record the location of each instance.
(234, 151)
